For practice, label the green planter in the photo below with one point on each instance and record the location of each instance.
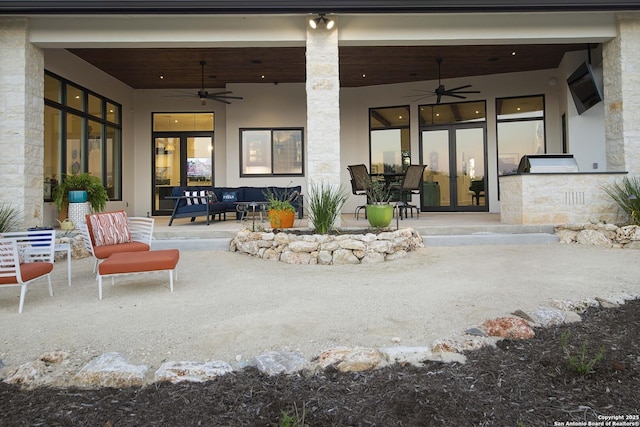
(379, 216)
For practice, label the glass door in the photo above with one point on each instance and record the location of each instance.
(181, 159)
(455, 156)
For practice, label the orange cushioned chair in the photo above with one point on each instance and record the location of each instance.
(106, 233)
(37, 249)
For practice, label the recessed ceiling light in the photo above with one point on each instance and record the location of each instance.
(513, 53)
(161, 77)
(262, 76)
(364, 75)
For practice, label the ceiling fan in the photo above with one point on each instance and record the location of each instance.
(440, 91)
(203, 94)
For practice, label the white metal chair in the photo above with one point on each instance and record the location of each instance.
(25, 257)
(141, 229)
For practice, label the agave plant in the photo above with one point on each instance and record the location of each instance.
(9, 218)
(325, 204)
(627, 196)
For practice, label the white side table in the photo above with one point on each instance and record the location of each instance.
(59, 247)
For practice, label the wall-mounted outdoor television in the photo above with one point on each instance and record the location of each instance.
(583, 88)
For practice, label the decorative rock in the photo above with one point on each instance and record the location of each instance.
(593, 237)
(461, 344)
(295, 257)
(576, 306)
(546, 317)
(508, 327)
(357, 359)
(605, 303)
(274, 363)
(176, 372)
(39, 372)
(111, 370)
(476, 332)
(523, 315)
(344, 256)
(417, 356)
(372, 257)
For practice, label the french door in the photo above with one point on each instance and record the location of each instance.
(455, 177)
(180, 159)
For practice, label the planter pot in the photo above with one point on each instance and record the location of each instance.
(379, 216)
(79, 196)
(281, 219)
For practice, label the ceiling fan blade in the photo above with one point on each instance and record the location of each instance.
(466, 91)
(214, 96)
(455, 96)
(455, 89)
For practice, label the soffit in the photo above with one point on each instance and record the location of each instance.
(359, 65)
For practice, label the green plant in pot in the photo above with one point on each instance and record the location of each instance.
(379, 209)
(96, 193)
(325, 204)
(282, 213)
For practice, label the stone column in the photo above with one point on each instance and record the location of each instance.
(21, 121)
(621, 69)
(323, 106)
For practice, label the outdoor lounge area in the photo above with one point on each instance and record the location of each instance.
(194, 201)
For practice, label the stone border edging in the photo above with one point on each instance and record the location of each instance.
(113, 370)
(600, 234)
(327, 249)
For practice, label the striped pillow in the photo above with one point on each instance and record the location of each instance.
(110, 228)
(196, 197)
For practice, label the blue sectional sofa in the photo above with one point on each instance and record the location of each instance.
(191, 202)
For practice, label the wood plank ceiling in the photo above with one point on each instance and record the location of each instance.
(168, 68)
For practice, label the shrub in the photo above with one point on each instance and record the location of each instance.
(627, 196)
(325, 204)
(9, 218)
(581, 362)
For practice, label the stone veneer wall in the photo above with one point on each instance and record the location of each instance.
(22, 124)
(327, 249)
(567, 198)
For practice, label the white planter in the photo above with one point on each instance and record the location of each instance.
(77, 212)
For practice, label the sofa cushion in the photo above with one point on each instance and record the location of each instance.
(229, 196)
(109, 228)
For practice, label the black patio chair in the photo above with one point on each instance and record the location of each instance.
(360, 184)
(411, 184)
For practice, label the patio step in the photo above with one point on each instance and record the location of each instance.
(214, 238)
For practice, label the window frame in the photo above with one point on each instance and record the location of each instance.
(107, 127)
(269, 160)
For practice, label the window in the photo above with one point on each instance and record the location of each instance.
(82, 133)
(520, 124)
(389, 139)
(270, 152)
